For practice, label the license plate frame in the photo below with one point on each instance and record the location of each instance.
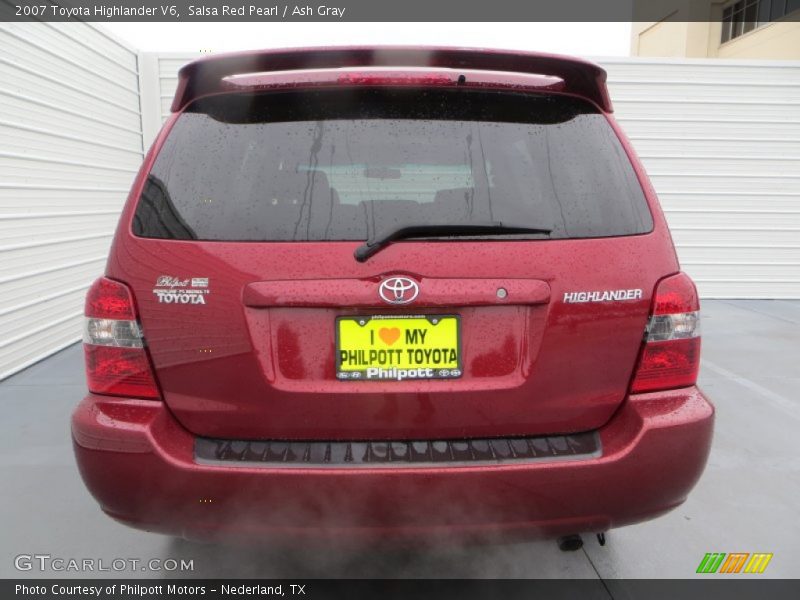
(402, 370)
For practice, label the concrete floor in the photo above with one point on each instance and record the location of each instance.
(747, 501)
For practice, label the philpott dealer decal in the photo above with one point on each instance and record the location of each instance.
(173, 290)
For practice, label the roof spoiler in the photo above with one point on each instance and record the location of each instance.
(206, 75)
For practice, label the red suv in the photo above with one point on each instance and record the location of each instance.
(391, 292)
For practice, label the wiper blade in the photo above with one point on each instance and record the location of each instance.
(374, 244)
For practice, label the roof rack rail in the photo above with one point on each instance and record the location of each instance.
(206, 75)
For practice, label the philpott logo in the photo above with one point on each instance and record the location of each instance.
(174, 290)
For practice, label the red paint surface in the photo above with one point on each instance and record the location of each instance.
(138, 463)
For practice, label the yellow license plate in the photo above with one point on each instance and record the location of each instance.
(398, 348)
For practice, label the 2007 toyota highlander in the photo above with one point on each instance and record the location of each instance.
(391, 292)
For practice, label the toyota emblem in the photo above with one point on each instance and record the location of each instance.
(398, 290)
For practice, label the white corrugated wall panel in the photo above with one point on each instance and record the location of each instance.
(721, 142)
(168, 66)
(72, 141)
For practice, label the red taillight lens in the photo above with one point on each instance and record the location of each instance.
(119, 371)
(116, 359)
(671, 354)
(675, 294)
(109, 299)
(666, 365)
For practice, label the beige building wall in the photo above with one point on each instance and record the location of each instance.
(675, 35)
(663, 39)
(780, 39)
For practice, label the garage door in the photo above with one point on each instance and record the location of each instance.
(71, 132)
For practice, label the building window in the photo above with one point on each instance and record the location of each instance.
(745, 15)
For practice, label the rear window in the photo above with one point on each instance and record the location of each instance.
(346, 164)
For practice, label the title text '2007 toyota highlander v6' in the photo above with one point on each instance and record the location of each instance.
(391, 292)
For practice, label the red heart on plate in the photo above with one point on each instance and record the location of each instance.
(389, 336)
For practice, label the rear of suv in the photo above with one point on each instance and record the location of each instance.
(390, 292)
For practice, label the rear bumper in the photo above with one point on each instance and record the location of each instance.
(138, 462)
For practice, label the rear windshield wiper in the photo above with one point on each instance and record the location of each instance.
(375, 243)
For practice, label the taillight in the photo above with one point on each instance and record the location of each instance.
(116, 359)
(671, 354)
